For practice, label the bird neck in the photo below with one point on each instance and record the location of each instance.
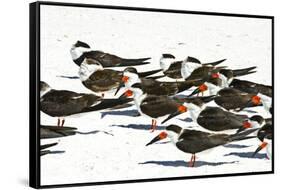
(266, 101)
(77, 52)
(86, 70)
(173, 136)
(165, 63)
(195, 110)
(187, 68)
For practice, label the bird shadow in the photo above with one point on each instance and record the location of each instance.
(236, 146)
(188, 119)
(181, 163)
(133, 113)
(247, 155)
(139, 126)
(249, 111)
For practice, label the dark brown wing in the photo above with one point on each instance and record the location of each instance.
(157, 106)
(216, 119)
(174, 70)
(151, 86)
(109, 60)
(200, 75)
(230, 98)
(63, 103)
(193, 141)
(103, 80)
(250, 87)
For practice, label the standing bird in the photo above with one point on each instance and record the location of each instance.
(152, 86)
(228, 76)
(212, 118)
(80, 50)
(174, 69)
(96, 78)
(230, 98)
(265, 136)
(194, 141)
(153, 106)
(63, 103)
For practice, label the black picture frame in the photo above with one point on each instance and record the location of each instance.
(34, 92)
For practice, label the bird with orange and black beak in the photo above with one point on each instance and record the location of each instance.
(153, 106)
(100, 80)
(81, 50)
(265, 136)
(231, 98)
(214, 119)
(182, 69)
(227, 78)
(65, 103)
(255, 121)
(197, 142)
(151, 85)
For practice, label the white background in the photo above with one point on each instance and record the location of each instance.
(14, 93)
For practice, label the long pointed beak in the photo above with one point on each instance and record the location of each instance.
(159, 137)
(259, 148)
(123, 96)
(171, 116)
(196, 91)
(119, 87)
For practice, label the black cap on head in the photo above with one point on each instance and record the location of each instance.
(257, 118)
(174, 128)
(81, 44)
(227, 73)
(131, 70)
(166, 55)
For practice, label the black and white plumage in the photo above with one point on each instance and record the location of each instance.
(213, 119)
(152, 86)
(62, 103)
(96, 78)
(195, 141)
(81, 50)
(182, 69)
(153, 106)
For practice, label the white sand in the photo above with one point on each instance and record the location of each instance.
(243, 42)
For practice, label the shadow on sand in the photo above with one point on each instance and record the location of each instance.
(133, 113)
(235, 146)
(247, 155)
(139, 126)
(181, 163)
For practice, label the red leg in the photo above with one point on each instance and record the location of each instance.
(153, 127)
(191, 160)
(58, 124)
(62, 122)
(193, 163)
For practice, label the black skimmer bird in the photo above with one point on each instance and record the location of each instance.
(228, 79)
(251, 87)
(265, 136)
(194, 141)
(152, 86)
(213, 119)
(230, 98)
(182, 69)
(255, 121)
(49, 131)
(153, 106)
(62, 103)
(80, 50)
(96, 78)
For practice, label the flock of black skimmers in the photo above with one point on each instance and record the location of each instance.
(159, 100)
